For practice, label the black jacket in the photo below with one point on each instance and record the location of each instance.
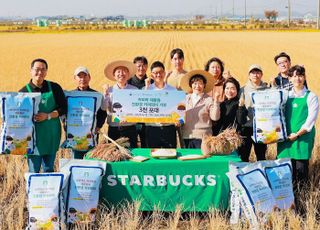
(228, 116)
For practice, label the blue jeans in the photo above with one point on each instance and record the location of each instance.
(35, 162)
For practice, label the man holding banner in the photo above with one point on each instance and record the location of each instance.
(138, 80)
(165, 132)
(120, 72)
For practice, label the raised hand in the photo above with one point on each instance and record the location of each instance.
(242, 100)
(105, 88)
(147, 82)
(272, 82)
(216, 97)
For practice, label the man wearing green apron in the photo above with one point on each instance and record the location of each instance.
(47, 123)
(301, 113)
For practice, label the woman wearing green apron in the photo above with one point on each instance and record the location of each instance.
(301, 114)
(47, 123)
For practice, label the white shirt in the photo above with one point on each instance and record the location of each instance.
(108, 104)
(166, 87)
(313, 107)
(154, 87)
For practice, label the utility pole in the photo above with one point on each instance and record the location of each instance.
(289, 13)
(216, 12)
(318, 21)
(233, 9)
(221, 9)
(245, 13)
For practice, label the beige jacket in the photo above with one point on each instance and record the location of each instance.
(199, 117)
(173, 78)
(218, 88)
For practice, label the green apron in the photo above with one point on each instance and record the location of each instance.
(296, 114)
(48, 132)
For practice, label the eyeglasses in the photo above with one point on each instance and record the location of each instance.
(157, 73)
(283, 62)
(40, 70)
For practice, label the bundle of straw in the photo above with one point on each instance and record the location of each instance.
(224, 143)
(115, 151)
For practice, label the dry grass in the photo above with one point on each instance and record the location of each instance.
(13, 212)
(65, 52)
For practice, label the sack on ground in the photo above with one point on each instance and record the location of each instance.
(254, 193)
(45, 201)
(279, 175)
(234, 202)
(82, 194)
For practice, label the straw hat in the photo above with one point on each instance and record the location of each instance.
(109, 69)
(184, 81)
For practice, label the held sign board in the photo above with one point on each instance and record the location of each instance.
(148, 106)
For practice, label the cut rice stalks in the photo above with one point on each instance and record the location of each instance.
(115, 151)
(223, 144)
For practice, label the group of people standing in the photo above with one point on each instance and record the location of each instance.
(214, 102)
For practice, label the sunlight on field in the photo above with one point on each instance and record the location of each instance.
(64, 52)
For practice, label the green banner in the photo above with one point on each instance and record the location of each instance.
(163, 184)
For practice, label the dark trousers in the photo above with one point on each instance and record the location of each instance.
(300, 169)
(78, 154)
(141, 131)
(245, 148)
(161, 137)
(192, 143)
(124, 131)
(35, 162)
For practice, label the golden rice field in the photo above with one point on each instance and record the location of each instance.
(65, 51)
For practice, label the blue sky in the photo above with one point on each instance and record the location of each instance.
(32, 8)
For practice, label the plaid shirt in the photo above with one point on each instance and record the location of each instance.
(284, 83)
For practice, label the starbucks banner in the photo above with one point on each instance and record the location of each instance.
(163, 184)
(148, 106)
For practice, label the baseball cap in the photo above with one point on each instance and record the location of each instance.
(81, 69)
(254, 66)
